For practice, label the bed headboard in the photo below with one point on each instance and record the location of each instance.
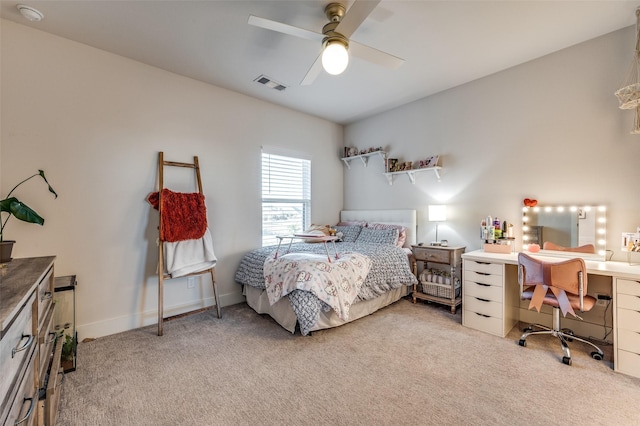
(405, 218)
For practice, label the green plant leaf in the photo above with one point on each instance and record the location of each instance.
(41, 172)
(20, 210)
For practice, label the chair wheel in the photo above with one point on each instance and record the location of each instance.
(527, 329)
(566, 360)
(596, 355)
(522, 342)
(568, 332)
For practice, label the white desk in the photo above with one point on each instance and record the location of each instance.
(491, 300)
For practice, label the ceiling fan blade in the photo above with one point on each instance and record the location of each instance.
(355, 16)
(374, 56)
(284, 28)
(313, 72)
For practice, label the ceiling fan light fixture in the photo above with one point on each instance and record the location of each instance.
(335, 57)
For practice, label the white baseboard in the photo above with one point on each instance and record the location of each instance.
(150, 317)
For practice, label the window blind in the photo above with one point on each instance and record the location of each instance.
(286, 196)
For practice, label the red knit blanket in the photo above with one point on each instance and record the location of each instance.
(184, 215)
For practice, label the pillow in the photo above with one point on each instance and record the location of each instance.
(402, 231)
(349, 232)
(378, 236)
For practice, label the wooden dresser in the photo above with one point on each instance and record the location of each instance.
(29, 351)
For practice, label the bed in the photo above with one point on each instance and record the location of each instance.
(389, 279)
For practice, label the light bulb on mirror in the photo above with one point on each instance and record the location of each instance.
(335, 57)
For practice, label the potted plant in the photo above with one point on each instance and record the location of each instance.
(14, 207)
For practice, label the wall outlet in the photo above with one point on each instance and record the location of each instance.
(191, 282)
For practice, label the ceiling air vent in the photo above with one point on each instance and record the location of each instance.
(263, 79)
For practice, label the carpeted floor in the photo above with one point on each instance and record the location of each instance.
(404, 365)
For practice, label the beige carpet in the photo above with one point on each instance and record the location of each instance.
(404, 365)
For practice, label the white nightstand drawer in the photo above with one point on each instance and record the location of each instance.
(482, 277)
(629, 340)
(483, 306)
(628, 287)
(483, 291)
(628, 301)
(481, 322)
(628, 319)
(628, 363)
(483, 267)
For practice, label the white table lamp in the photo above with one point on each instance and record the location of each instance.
(437, 213)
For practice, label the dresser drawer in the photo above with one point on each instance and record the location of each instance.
(483, 267)
(483, 291)
(46, 340)
(483, 306)
(481, 322)
(628, 363)
(629, 340)
(16, 346)
(24, 404)
(628, 287)
(431, 254)
(627, 301)
(483, 278)
(628, 319)
(45, 296)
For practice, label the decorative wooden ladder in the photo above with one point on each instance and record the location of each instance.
(161, 274)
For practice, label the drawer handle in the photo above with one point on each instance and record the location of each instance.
(482, 263)
(46, 296)
(26, 346)
(482, 284)
(482, 273)
(32, 404)
(52, 339)
(483, 315)
(483, 300)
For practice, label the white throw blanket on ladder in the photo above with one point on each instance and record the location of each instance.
(186, 257)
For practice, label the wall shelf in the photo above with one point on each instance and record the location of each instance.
(411, 173)
(363, 157)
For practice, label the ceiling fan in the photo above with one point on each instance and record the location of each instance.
(336, 45)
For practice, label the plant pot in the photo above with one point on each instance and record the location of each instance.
(6, 247)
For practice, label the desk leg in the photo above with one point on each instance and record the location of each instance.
(278, 249)
(335, 250)
(327, 250)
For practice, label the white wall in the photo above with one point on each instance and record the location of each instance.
(95, 122)
(549, 129)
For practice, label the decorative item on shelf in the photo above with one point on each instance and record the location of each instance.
(13, 207)
(391, 165)
(437, 213)
(629, 93)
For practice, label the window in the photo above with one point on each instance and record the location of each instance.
(286, 196)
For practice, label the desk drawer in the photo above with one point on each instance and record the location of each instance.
(628, 301)
(483, 306)
(483, 291)
(628, 287)
(15, 347)
(629, 340)
(628, 319)
(483, 267)
(629, 363)
(46, 340)
(483, 278)
(483, 323)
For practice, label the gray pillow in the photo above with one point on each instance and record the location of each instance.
(378, 236)
(349, 232)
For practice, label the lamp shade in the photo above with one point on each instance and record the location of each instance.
(335, 57)
(437, 213)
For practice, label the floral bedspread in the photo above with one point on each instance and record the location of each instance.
(390, 269)
(335, 282)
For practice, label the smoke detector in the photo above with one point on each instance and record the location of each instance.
(29, 13)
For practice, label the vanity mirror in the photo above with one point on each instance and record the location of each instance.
(564, 228)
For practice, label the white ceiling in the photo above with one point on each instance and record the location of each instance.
(444, 43)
